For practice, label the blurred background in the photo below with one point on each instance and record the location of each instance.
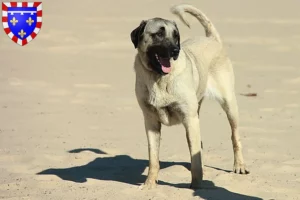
(68, 108)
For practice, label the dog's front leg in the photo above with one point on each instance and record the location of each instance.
(153, 128)
(192, 127)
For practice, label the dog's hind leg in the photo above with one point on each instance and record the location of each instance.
(198, 111)
(224, 83)
(229, 105)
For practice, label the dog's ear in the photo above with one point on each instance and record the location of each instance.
(178, 34)
(137, 33)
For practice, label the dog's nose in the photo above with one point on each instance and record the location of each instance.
(175, 51)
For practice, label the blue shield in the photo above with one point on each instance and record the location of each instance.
(22, 20)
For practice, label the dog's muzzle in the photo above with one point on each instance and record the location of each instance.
(175, 52)
(160, 56)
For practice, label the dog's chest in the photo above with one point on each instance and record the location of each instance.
(160, 95)
(164, 103)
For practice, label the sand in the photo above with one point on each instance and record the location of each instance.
(70, 126)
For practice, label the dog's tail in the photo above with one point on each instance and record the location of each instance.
(182, 9)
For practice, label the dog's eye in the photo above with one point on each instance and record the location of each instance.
(175, 34)
(159, 34)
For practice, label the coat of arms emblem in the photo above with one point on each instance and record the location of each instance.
(22, 21)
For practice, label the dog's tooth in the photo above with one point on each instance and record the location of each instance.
(157, 58)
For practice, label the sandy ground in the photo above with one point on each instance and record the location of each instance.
(70, 126)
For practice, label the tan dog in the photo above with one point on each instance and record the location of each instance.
(173, 78)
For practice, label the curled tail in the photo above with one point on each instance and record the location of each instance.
(182, 9)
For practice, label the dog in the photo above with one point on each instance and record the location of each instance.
(173, 78)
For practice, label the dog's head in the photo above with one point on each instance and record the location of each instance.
(158, 41)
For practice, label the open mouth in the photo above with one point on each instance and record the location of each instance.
(164, 63)
(159, 58)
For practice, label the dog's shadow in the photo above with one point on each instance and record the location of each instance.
(123, 168)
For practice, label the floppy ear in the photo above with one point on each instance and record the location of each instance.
(178, 34)
(137, 33)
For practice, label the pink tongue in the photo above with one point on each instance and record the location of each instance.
(165, 65)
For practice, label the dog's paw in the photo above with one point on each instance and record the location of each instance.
(240, 168)
(148, 185)
(195, 184)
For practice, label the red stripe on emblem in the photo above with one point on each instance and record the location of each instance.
(4, 19)
(36, 4)
(33, 34)
(15, 39)
(24, 42)
(4, 7)
(39, 24)
(24, 4)
(13, 4)
(7, 30)
(39, 13)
